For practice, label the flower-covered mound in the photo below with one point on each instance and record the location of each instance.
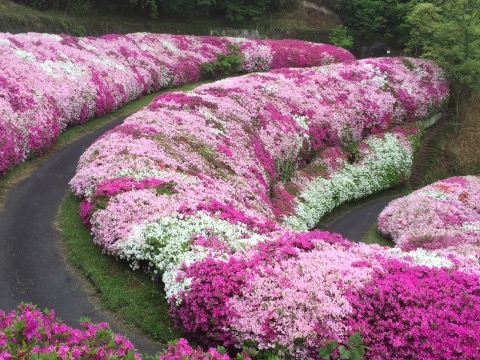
(48, 82)
(28, 332)
(213, 190)
(442, 216)
(294, 292)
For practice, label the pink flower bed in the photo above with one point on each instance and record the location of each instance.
(442, 216)
(205, 188)
(48, 82)
(254, 143)
(292, 294)
(27, 332)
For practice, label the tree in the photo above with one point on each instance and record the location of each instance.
(376, 21)
(339, 36)
(449, 33)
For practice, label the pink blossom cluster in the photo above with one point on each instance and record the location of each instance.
(48, 82)
(293, 294)
(28, 332)
(205, 188)
(182, 350)
(407, 312)
(252, 143)
(444, 215)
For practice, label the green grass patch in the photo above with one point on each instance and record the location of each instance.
(373, 236)
(131, 295)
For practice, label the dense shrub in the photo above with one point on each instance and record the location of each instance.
(27, 333)
(443, 215)
(407, 311)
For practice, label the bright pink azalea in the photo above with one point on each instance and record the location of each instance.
(247, 159)
(27, 331)
(405, 312)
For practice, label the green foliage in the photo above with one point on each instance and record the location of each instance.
(188, 7)
(339, 36)
(225, 64)
(165, 189)
(148, 6)
(373, 21)
(65, 5)
(449, 33)
(285, 169)
(238, 10)
(234, 10)
(353, 350)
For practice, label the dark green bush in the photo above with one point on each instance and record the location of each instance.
(226, 64)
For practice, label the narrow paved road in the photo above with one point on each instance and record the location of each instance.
(355, 223)
(31, 266)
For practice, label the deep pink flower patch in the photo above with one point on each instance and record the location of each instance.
(409, 311)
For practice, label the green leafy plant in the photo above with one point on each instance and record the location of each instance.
(353, 350)
(339, 36)
(225, 64)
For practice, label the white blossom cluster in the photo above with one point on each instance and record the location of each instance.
(423, 257)
(387, 161)
(166, 243)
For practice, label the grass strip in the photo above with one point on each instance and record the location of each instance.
(373, 236)
(130, 295)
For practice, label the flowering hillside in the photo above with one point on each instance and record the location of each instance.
(48, 82)
(443, 215)
(213, 190)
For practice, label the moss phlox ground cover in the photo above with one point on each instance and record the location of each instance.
(48, 82)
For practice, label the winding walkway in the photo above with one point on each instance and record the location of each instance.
(355, 223)
(32, 268)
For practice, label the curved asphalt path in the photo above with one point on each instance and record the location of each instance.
(355, 223)
(32, 268)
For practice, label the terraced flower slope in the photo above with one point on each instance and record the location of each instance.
(48, 82)
(213, 190)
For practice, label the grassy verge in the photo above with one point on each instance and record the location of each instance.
(373, 236)
(131, 295)
(23, 170)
